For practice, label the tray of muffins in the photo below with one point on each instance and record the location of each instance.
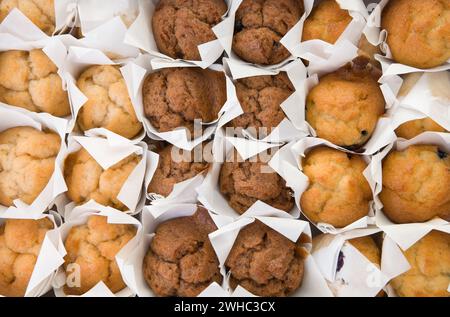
(223, 148)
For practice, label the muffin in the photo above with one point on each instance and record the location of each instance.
(41, 13)
(87, 180)
(326, 22)
(108, 105)
(92, 247)
(429, 275)
(259, 27)
(245, 182)
(416, 184)
(260, 98)
(30, 80)
(175, 97)
(344, 107)
(411, 129)
(179, 27)
(175, 170)
(424, 43)
(181, 260)
(27, 162)
(338, 193)
(265, 262)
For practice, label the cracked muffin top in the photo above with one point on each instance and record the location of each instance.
(338, 193)
(40, 12)
(259, 27)
(20, 244)
(181, 260)
(265, 262)
(27, 162)
(180, 26)
(87, 180)
(91, 251)
(109, 105)
(429, 275)
(29, 80)
(416, 184)
(411, 129)
(414, 38)
(175, 97)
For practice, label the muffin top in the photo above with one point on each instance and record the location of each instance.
(367, 246)
(20, 243)
(265, 262)
(27, 162)
(338, 193)
(416, 184)
(92, 247)
(179, 26)
(29, 80)
(181, 260)
(411, 129)
(259, 27)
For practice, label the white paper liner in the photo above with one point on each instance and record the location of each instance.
(405, 235)
(79, 216)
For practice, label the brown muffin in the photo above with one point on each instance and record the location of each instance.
(179, 26)
(345, 106)
(109, 105)
(338, 193)
(175, 97)
(416, 184)
(326, 22)
(411, 129)
(245, 182)
(30, 80)
(265, 262)
(260, 98)
(181, 260)
(173, 170)
(27, 162)
(93, 247)
(20, 243)
(87, 180)
(424, 42)
(429, 275)
(259, 27)
(40, 12)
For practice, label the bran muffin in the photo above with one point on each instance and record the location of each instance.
(416, 184)
(179, 26)
(30, 80)
(259, 27)
(93, 247)
(181, 260)
(411, 129)
(27, 162)
(338, 193)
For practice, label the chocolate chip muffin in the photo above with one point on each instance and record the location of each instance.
(345, 106)
(179, 26)
(424, 43)
(260, 98)
(265, 262)
(27, 162)
(411, 129)
(338, 193)
(109, 105)
(429, 275)
(259, 27)
(416, 184)
(176, 166)
(181, 260)
(87, 180)
(20, 243)
(245, 182)
(30, 80)
(40, 12)
(326, 22)
(175, 97)
(92, 248)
